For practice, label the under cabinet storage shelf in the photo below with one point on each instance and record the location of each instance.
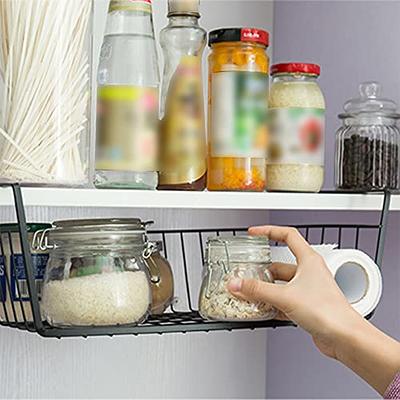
(59, 197)
(185, 251)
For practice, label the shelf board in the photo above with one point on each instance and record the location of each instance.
(62, 197)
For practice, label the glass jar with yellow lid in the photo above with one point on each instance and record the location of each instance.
(238, 105)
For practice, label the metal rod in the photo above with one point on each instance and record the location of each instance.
(186, 271)
(8, 287)
(357, 237)
(23, 235)
(340, 238)
(382, 228)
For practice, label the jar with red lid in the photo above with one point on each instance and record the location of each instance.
(297, 124)
(238, 106)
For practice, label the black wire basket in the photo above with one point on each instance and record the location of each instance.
(185, 251)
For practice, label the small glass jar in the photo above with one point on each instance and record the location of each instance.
(297, 124)
(161, 278)
(238, 104)
(97, 273)
(14, 293)
(368, 143)
(245, 257)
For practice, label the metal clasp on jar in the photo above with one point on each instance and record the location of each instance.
(40, 240)
(149, 249)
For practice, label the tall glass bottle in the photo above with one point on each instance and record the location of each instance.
(128, 99)
(183, 147)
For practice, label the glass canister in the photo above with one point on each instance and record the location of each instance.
(97, 273)
(368, 143)
(238, 104)
(14, 293)
(237, 257)
(161, 278)
(297, 124)
(45, 64)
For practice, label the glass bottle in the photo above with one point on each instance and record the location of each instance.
(128, 79)
(238, 106)
(297, 125)
(183, 148)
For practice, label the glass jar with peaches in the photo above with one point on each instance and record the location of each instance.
(238, 107)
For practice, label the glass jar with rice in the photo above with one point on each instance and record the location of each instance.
(97, 273)
(297, 123)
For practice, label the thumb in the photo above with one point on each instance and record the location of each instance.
(257, 291)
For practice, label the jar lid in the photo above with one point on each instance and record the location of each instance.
(370, 102)
(99, 227)
(238, 241)
(252, 35)
(296, 68)
(183, 7)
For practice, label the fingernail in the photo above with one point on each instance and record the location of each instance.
(235, 285)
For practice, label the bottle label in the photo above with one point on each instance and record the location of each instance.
(130, 5)
(183, 148)
(19, 283)
(239, 114)
(127, 137)
(297, 136)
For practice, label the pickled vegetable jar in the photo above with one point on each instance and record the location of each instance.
(297, 123)
(238, 105)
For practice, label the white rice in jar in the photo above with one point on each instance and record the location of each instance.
(297, 124)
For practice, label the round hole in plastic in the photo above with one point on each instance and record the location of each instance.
(352, 281)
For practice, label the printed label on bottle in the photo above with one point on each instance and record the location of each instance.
(130, 5)
(127, 137)
(297, 136)
(3, 285)
(183, 148)
(239, 114)
(19, 283)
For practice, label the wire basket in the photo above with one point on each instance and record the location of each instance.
(185, 251)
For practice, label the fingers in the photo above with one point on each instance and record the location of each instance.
(291, 236)
(283, 272)
(257, 291)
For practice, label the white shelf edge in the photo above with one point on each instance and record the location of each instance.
(61, 197)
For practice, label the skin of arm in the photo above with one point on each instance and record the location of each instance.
(338, 331)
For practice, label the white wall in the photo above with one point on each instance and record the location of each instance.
(216, 365)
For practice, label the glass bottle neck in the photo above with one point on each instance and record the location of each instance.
(130, 23)
(183, 20)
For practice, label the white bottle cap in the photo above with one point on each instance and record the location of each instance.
(190, 7)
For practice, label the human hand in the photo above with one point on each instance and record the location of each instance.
(311, 297)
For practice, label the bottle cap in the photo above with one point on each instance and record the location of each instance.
(251, 35)
(296, 68)
(183, 7)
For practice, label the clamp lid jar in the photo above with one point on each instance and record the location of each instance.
(368, 143)
(97, 273)
(244, 257)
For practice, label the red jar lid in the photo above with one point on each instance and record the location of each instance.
(296, 68)
(252, 35)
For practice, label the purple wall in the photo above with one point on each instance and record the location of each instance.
(353, 41)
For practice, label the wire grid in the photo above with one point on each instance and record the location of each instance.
(185, 251)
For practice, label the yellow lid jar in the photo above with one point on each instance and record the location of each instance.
(238, 106)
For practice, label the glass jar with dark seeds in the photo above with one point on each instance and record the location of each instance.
(368, 143)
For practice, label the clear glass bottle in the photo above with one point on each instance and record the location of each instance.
(297, 124)
(128, 79)
(238, 106)
(245, 257)
(183, 147)
(97, 273)
(368, 143)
